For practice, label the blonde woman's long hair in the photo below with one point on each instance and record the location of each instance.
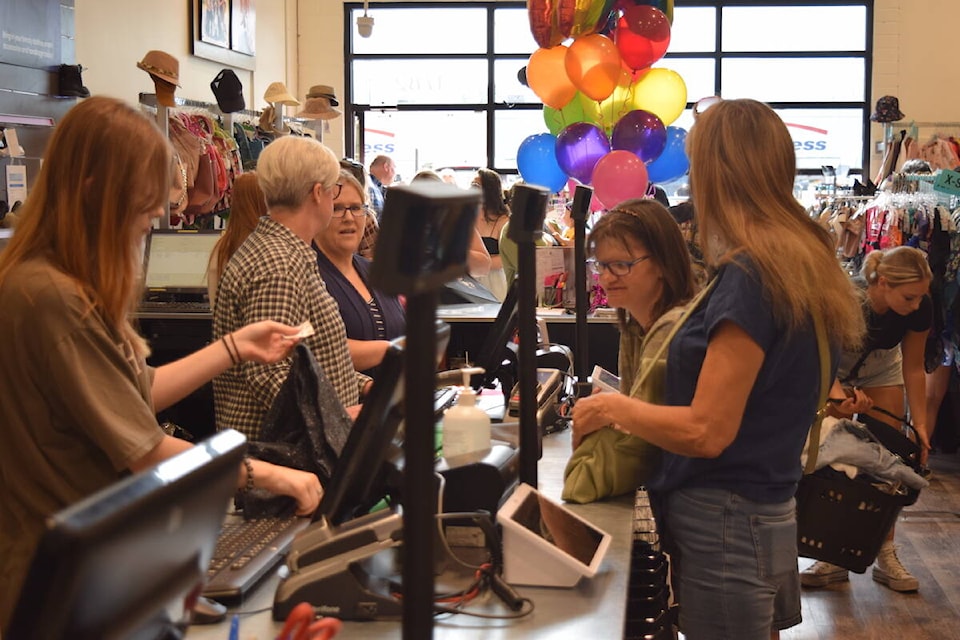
(247, 206)
(106, 164)
(742, 169)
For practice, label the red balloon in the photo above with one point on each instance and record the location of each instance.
(642, 36)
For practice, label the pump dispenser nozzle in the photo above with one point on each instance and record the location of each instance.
(466, 427)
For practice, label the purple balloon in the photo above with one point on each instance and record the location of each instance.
(641, 133)
(579, 147)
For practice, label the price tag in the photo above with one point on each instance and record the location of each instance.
(947, 182)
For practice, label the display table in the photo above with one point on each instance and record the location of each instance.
(592, 609)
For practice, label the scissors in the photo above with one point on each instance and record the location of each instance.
(302, 624)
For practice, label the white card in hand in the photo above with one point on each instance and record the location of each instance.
(305, 330)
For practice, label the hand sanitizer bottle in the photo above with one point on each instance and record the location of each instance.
(466, 427)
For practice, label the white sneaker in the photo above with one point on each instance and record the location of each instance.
(820, 574)
(889, 571)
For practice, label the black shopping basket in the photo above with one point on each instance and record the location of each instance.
(845, 521)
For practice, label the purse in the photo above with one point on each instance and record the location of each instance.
(609, 462)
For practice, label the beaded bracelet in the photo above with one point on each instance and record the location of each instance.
(248, 463)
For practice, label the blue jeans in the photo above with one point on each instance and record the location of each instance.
(733, 563)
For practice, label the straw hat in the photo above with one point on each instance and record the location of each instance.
(323, 91)
(161, 64)
(267, 117)
(277, 94)
(318, 109)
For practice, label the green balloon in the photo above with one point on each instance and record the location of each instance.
(559, 119)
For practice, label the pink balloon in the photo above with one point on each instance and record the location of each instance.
(618, 176)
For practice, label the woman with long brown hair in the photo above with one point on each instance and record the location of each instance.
(247, 206)
(742, 381)
(80, 405)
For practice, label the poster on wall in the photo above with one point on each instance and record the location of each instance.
(214, 22)
(30, 33)
(243, 27)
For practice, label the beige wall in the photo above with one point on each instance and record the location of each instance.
(113, 35)
(300, 42)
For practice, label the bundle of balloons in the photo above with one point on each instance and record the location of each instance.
(607, 111)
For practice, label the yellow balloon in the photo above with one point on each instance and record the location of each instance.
(661, 92)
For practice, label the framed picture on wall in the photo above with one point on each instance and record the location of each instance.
(215, 22)
(224, 31)
(243, 27)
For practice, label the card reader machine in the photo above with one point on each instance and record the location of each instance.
(549, 386)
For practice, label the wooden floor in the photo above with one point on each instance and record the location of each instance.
(928, 537)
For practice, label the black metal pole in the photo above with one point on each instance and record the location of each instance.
(528, 208)
(419, 508)
(581, 357)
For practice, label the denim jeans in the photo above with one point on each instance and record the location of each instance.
(734, 564)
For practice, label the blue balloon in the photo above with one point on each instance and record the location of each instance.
(537, 162)
(673, 162)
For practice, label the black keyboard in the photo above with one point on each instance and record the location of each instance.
(246, 551)
(170, 306)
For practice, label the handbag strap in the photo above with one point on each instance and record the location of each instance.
(673, 331)
(823, 348)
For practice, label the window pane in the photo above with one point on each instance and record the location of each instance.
(506, 84)
(510, 129)
(694, 29)
(794, 28)
(825, 136)
(426, 139)
(401, 31)
(511, 32)
(697, 74)
(392, 82)
(794, 79)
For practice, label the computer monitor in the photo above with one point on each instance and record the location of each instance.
(176, 260)
(495, 350)
(359, 479)
(129, 561)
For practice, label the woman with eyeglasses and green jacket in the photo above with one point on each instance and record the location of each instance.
(372, 318)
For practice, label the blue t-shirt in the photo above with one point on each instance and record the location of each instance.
(763, 462)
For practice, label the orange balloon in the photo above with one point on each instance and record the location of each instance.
(547, 77)
(593, 65)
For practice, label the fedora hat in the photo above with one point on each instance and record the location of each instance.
(161, 64)
(229, 91)
(318, 109)
(277, 94)
(887, 110)
(323, 91)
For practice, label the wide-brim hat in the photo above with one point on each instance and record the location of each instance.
(323, 91)
(318, 109)
(229, 91)
(277, 94)
(161, 64)
(887, 110)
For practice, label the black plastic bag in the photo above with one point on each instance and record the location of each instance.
(306, 428)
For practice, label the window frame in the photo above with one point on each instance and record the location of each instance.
(355, 113)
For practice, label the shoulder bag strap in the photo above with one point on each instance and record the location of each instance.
(673, 331)
(823, 348)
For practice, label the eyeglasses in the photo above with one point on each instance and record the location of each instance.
(357, 211)
(616, 267)
(335, 190)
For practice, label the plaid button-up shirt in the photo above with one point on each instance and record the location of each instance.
(274, 276)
